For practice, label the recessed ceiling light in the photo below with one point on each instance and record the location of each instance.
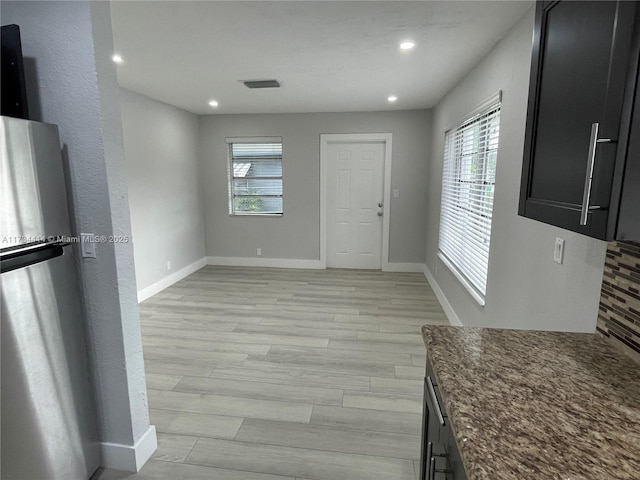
(213, 103)
(392, 98)
(117, 58)
(408, 45)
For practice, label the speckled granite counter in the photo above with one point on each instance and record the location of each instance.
(538, 405)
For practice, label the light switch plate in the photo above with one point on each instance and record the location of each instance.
(88, 245)
(558, 251)
(396, 193)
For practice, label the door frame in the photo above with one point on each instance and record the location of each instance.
(325, 140)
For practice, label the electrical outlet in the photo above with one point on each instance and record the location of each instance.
(168, 265)
(258, 252)
(396, 193)
(558, 251)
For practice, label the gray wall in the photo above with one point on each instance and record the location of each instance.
(296, 234)
(73, 84)
(526, 289)
(161, 145)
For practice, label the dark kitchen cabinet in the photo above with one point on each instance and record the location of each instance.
(439, 456)
(628, 227)
(583, 84)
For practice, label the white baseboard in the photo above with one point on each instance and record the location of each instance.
(446, 306)
(403, 267)
(265, 262)
(303, 264)
(130, 458)
(169, 280)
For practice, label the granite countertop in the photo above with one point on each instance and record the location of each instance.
(538, 405)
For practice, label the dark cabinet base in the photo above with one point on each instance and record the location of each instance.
(439, 456)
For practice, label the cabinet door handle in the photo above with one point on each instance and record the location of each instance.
(434, 399)
(432, 468)
(586, 195)
(428, 461)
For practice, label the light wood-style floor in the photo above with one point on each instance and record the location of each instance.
(272, 374)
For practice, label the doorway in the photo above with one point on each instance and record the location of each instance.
(355, 191)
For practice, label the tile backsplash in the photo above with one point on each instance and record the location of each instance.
(619, 314)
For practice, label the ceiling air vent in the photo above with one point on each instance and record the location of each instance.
(262, 83)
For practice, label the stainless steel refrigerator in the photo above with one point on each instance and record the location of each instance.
(48, 416)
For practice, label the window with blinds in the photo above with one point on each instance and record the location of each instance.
(468, 182)
(255, 176)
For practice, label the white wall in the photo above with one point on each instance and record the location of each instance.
(525, 288)
(296, 234)
(72, 82)
(161, 145)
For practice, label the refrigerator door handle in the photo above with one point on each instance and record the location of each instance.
(14, 258)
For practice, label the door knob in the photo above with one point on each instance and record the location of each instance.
(380, 204)
(379, 214)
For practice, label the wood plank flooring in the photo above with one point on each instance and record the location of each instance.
(274, 374)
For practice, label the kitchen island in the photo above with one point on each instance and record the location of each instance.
(536, 405)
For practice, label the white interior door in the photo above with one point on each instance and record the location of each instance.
(355, 192)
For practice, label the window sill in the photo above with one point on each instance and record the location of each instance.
(477, 296)
(258, 215)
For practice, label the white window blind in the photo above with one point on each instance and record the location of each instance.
(255, 176)
(468, 182)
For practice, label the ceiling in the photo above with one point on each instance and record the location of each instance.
(329, 56)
